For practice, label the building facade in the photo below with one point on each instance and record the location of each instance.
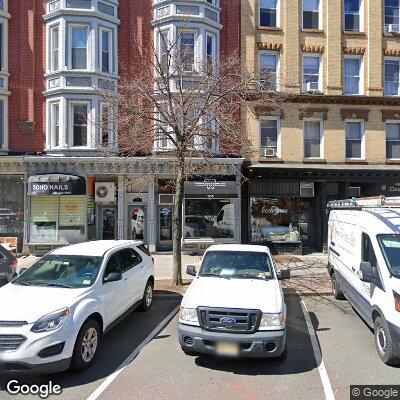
(337, 133)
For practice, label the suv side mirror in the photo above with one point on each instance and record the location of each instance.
(113, 277)
(284, 274)
(191, 270)
(367, 272)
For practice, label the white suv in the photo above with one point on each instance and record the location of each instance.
(56, 312)
(235, 305)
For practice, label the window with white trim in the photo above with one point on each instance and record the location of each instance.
(352, 15)
(311, 17)
(106, 124)
(269, 13)
(312, 73)
(210, 50)
(79, 37)
(354, 139)
(187, 43)
(269, 70)
(164, 49)
(79, 123)
(392, 77)
(54, 48)
(393, 140)
(269, 136)
(392, 13)
(2, 46)
(55, 124)
(313, 138)
(106, 50)
(2, 125)
(352, 75)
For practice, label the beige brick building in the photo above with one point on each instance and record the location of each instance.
(339, 135)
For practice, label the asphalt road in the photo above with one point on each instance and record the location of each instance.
(162, 371)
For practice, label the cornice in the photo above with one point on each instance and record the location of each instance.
(269, 46)
(312, 48)
(354, 50)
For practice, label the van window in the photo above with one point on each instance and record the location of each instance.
(368, 254)
(390, 245)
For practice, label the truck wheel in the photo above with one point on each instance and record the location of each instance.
(87, 346)
(147, 300)
(336, 290)
(384, 343)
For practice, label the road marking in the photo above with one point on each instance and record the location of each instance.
(326, 383)
(111, 378)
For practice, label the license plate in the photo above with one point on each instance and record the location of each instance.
(227, 349)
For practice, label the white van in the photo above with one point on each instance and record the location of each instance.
(364, 265)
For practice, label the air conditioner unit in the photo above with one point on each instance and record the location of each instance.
(105, 192)
(307, 189)
(354, 191)
(166, 199)
(270, 152)
(393, 28)
(312, 87)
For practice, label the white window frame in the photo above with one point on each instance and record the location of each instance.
(53, 143)
(362, 124)
(278, 135)
(71, 123)
(195, 45)
(110, 51)
(320, 72)
(88, 48)
(278, 64)
(320, 16)
(393, 121)
(52, 49)
(384, 16)
(110, 143)
(384, 75)
(361, 15)
(361, 85)
(278, 16)
(321, 138)
(214, 49)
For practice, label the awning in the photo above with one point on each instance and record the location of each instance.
(56, 184)
(326, 167)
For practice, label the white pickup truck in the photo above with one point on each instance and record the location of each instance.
(235, 305)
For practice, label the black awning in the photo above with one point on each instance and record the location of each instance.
(56, 184)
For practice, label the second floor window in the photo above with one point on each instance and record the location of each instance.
(210, 50)
(55, 124)
(269, 70)
(79, 47)
(269, 13)
(269, 137)
(311, 19)
(80, 112)
(312, 138)
(354, 134)
(54, 48)
(311, 73)
(2, 124)
(392, 13)
(106, 55)
(392, 77)
(393, 140)
(187, 50)
(352, 15)
(352, 75)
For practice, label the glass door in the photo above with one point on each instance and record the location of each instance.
(164, 239)
(137, 222)
(107, 227)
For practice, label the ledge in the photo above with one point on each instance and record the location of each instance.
(353, 33)
(314, 161)
(270, 160)
(351, 161)
(312, 30)
(392, 162)
(270, 29)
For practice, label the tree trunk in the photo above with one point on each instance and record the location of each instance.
(177, 222)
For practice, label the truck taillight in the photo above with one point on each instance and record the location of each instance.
(152, 260)
(14, 263)
(396, 301)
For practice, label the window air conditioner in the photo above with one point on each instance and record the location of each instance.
(270, 152)
(312, 87)
(354, 191)
(307, 189)
(393, 28)
(105, 192)
(166, 199)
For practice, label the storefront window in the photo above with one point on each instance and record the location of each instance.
(282, 219)
(213, 218)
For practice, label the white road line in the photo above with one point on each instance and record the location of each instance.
(326, 383)
(110, 379)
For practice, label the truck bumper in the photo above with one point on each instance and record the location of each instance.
(261, 344)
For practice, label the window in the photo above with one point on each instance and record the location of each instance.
(2, 138)
(368, 253)
(129, 259)
(354, 139)
(311, 73)
(210, 50)
(393, 140)
(392, 11)
(1, 4)
(54, 48)
(79, 47)
(269, 74)
(80, 113)
(352, 15)
(55, 124)
(312, 139)
(392, 73)
(113, 266)
(269, 137)
(106, 124)
(187, 50)
(106, 54)
(1, 46)
(269, 13)
(352, 75)
(311, 14)
(164, 50)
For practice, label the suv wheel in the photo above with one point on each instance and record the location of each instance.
(87, 346)
(336, 290)
(384, 343)
(147, 300)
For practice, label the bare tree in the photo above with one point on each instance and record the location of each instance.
(188, 111)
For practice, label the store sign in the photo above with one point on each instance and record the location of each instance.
(211, 188)
(50, 188)
(46, 185)
(390, 189)
(274, 210)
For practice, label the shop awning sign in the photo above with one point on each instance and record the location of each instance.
(211, 188)
(56, 184)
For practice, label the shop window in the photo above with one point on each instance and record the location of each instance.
(213, 218)
(43, 219)
(393, 140)
(281, 219)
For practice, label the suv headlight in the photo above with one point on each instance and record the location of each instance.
(51, 322)
(276, 320)
(188, 314)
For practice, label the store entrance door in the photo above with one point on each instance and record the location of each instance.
(107, 227)
(137, 222)
(164, 222)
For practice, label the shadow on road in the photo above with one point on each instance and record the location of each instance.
(300, 356)
(117, 345)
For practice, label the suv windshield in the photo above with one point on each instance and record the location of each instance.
(65, 271)
(390, 245)
(237, 264)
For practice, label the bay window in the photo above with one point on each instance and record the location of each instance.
(311, 18)
(79, 47)
(352, 75)
(210, 50)
(2, 125)
(312, 138)
(106, 124)
(268, 13)
(392, 77)
(352, 15)
(354, 139)
(55, 124)
(106, 53)
(393, 140)
(79, 116)
(187, 40)
(269, 65)
(269, 128)
(311, 73)
(54, 48)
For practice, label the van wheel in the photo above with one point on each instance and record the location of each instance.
(384, 343)
(147, 300)
(336, 290)
(87, 346)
